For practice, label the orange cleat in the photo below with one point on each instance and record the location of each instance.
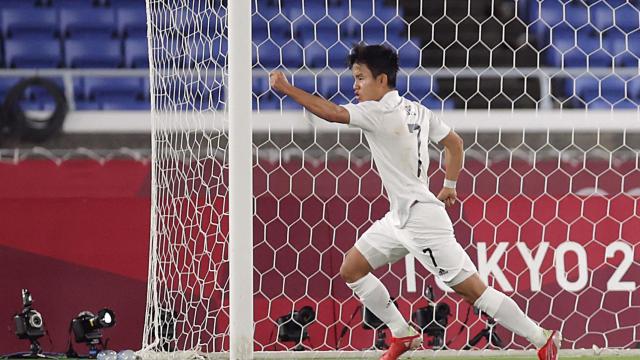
(401, 345)
(549, 351)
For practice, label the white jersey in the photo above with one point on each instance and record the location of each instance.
(398, 131)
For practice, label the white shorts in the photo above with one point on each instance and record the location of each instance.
(427, 235)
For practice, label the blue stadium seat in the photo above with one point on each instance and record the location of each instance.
(327, 85)
(315, 55)
(266, 102)
(409, 55)
(131, 21)
(292, 55)
(576, 14)
(632, 55)
(6, 4)
(626, 18)
(267, 54)
(125, 3)
(102, 89)
(32, 53)
(327, 33)
(122, 105)
(586, 87)
(396, 26)
(25, 22)
(260, 86)
(420, 85)
(396, 40)
(338, 11)
(387, 13)
(88, 22)
(280, 29)
(136, 53)
(612, 88)
(6, 83)
(431, 102)
(337, 56)
(373, 32)
(350, 30)
(92, 53)
(259, 29)
(70, 4)
(266, 9)
(314, 10)
(601, 15)
(361, 10)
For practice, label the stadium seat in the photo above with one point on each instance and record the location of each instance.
(326, 32)
(292, 55)
(420, 85)
(626, 18)
(314, 10)
(32, 53)
(576, 14)
(280, 29)
(259, 29)
(19, 3)
(204, 51)
(131, 21)
(267, 54)
(631, 56)
(266, 9)
(328, 85)
(87, 22)
(136, 53)
(409, 55)
(25, 22)
(125, 3)
(373, 32)
(70, 4)
(337, 56)
(130, 105)
(315, 55)
(266, 102)
(387, 13)
(6, 83)
(102, 89)
(601, 15)
(92, 53)
(260, 86)
(304, 82)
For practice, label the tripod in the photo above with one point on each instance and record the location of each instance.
(486, 333)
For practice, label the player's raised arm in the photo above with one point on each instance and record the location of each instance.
(453, 155)
(318, 106)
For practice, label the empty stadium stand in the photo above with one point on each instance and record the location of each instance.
(111, 34)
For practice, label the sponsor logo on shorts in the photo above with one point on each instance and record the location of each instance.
(442, 272)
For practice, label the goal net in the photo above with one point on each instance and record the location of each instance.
(545, 95)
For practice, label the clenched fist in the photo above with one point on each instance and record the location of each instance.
(448, 196)
(278, 81)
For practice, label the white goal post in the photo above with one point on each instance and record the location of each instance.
(255, 201)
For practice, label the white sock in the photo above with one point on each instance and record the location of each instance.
(506, 312)
(375, 297)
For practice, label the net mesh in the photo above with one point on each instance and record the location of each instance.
(549, 216)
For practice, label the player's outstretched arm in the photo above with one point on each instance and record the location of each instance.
(453, 155)
(318, 106)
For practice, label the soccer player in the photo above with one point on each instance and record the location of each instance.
(417, 223)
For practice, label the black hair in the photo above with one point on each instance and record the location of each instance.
(380, 59)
